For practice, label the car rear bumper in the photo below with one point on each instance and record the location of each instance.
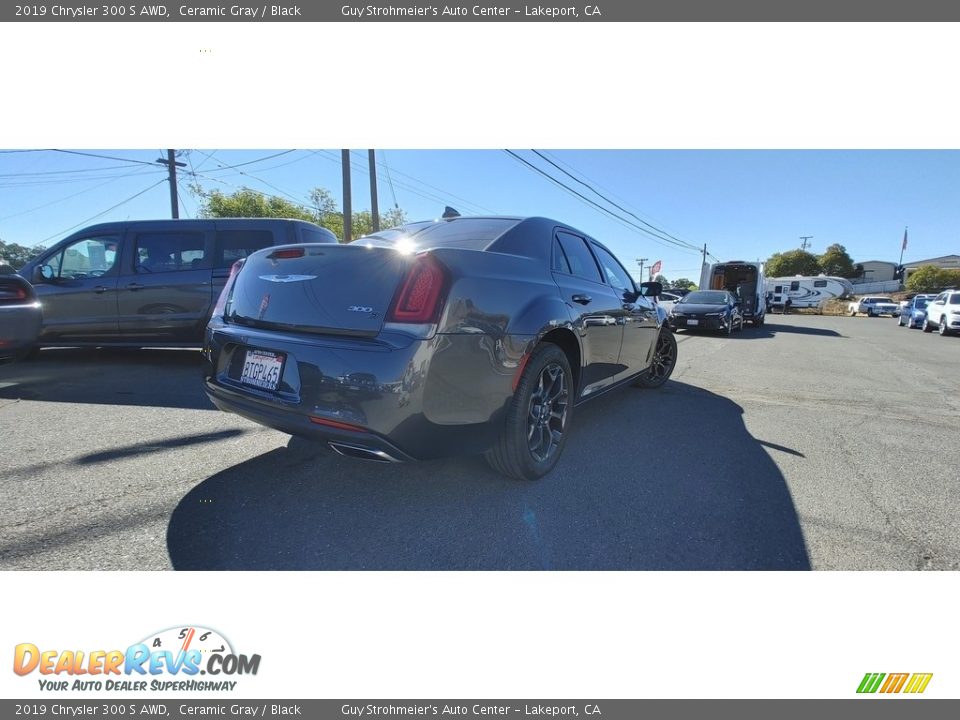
(412, 399)
(19, 329)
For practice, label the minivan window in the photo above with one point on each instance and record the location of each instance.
(233, 245)
(168, 252)
(90, 257)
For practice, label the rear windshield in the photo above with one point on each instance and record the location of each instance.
(705, 298)
(468, 233)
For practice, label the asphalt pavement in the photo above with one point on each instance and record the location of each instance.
(813, 442)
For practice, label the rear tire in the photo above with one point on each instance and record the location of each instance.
(535, 428)
(927, 327)
(663, 363)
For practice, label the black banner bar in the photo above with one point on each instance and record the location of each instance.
(489, 11)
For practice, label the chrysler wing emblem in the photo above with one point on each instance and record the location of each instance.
(287, 278)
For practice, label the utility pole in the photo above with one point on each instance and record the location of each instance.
(347, 205)
(641, 261)
(374, 205)
(172, 166)
(805, 244)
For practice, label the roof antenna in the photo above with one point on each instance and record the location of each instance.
(449, 212)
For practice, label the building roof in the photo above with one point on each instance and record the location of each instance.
(942, 260)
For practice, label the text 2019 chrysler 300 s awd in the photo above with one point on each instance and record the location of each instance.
(461, 335)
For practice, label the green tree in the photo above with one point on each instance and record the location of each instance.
(835, 261)
(930, 278)
(662, 280)
(685, 284)
(249, 203)
(792, 262)
(322, 210)
(19, 255)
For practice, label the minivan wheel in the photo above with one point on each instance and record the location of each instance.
(663, 363)
(535, 429)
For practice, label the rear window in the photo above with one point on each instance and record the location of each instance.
(467, 233)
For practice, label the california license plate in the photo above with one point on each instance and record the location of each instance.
(693, 322)
(262, 369)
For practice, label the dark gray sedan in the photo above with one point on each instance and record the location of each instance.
(462, 335)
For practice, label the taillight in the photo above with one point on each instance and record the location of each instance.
(421, 293)
(225, 293)
(13, 294)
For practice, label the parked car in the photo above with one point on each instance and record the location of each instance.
(943, 313)
(470, 334)
(19, 317)
(873, 306)
(148, 282)
(913, 312)
(707, 310)
(667, 300)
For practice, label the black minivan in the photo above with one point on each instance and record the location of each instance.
(148, 282)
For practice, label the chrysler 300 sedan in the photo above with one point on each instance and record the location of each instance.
(462, 335)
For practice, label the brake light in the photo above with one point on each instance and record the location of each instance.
(12, 294)
(336, 424)
(286, 253)
(225, 293)
(421, 293)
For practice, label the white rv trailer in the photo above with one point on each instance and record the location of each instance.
(744, 280)
(806, 291)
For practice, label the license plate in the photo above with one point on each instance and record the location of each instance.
(693, 322)
(262, 369)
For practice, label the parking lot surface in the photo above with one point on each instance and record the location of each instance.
(810, 443)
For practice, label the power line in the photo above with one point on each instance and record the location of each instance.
(105, 157)
(599, 207)
(250, 162)
(99, 214)
(611, 202)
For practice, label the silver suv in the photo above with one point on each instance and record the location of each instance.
(943, 313)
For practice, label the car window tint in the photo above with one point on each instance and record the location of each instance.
(613, 270)
(90, 257)
(158, 252)
(233, 245)
(579, 257)
(560, 263)
(955, 299)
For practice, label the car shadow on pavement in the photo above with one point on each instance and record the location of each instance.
(148, 377)
(769, 329)
(627, 495)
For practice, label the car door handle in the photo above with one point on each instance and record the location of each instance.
(100, 289)
(582, 299)
(134, 286)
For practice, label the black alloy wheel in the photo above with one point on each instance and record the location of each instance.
(535, 429)
(663, 362)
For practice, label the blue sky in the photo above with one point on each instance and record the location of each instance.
(744, 204)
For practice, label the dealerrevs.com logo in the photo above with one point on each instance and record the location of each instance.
(173, 659)
(892, 683)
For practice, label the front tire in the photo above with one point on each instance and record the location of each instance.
(663, 363)
(942, 327)
(535, 429)
(927, 327)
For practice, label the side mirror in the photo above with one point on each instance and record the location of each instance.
(42, 273)
(651, 289)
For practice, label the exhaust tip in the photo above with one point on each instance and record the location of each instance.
(362, 453)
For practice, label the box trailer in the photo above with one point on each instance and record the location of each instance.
(744, 280)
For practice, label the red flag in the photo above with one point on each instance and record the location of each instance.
(904, 246)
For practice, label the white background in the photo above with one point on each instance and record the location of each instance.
(561, 635)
